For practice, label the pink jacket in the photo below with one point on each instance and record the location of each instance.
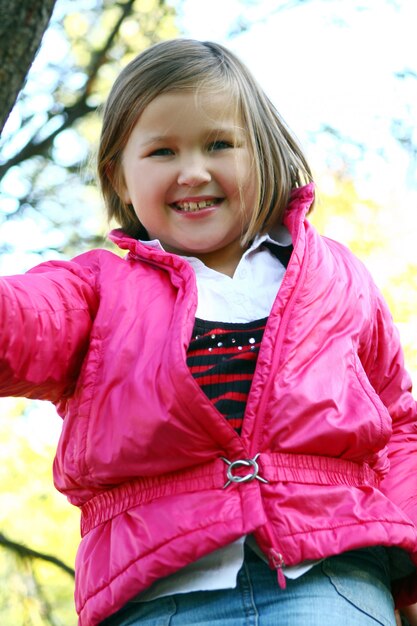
(329, 413)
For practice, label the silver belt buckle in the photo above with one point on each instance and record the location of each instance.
(254, 470)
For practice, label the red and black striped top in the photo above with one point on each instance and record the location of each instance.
(222, 358)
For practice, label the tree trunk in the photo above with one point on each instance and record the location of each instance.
(22, 24)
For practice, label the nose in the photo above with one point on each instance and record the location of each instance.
(193, 171)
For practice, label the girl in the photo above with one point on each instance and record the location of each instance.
(238, 428)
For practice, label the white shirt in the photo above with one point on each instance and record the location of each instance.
(246, 297)
(249, 295)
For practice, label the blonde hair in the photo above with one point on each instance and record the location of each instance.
(189, 65)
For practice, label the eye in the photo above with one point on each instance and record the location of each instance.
(161, 152)
(220, 144)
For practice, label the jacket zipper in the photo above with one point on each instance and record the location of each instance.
(275, 557)
(277, 561)
(255, 447)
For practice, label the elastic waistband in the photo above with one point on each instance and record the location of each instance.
(273, 468)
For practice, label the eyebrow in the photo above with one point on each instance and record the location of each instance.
(154, 139)
(211, 132)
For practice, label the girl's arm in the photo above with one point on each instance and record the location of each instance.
(383, 361)
(385, 369)
(45, 321)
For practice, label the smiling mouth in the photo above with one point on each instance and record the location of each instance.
(192, 207)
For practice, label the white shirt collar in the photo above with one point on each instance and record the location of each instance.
(247, 296)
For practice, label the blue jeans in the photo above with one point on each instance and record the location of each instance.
(352, 589)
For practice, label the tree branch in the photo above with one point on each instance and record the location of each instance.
(33, 148)
(76, 111)
(99, 57)
(22, 26)
(28, 553)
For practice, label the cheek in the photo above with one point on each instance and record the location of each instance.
(132, 188)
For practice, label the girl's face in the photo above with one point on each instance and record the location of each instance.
(187, 171)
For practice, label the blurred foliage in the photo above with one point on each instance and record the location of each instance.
(32, 513)
(375, 233)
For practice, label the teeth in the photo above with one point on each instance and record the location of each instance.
(189, 207)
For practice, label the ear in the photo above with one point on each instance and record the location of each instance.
(116, 178)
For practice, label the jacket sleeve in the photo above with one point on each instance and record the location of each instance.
(384, 364)
(45, 321)
(385, 368)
